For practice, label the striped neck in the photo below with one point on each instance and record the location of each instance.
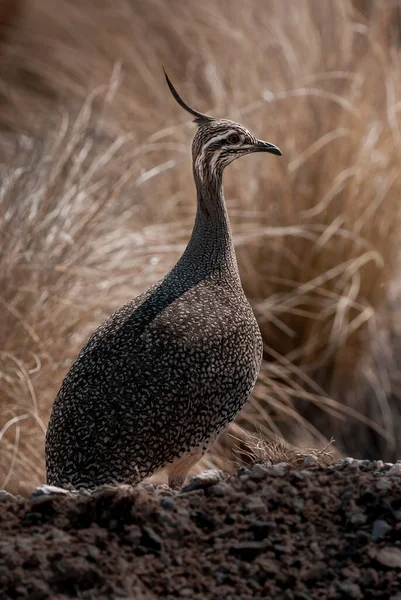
(211, 246)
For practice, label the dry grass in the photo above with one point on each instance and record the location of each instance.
(259, 450)
(97, 200)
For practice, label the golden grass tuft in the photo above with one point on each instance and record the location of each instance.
(259, 450)
(97, 201)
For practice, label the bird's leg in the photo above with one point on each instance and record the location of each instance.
(178, 471)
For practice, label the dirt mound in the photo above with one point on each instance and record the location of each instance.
(268, 532)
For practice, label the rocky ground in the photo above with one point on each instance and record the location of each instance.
(269, 532)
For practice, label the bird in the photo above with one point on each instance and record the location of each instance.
(162, 377)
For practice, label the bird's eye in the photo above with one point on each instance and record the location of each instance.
(233, 138)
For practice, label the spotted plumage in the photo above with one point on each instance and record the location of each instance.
(160, 379)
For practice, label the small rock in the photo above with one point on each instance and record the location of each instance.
(48, 490)
(365, 462)
(164, 488)
(204, 480)
(261, 529)
(133, 536)
(92, 552)
(382, 484)
(219, 489)
(379, 529)
(6, 496)
(369, 578)
(363, 536)
(150, 539)
(24, 543)
(297, 475)
(315, 548)
(45, 493)
(248, 550)
(389, 557)
(315, 571)
(60, 537)
(258, 472)
(298, 506)
(279, 469)
(395, 470)
(350, 590)
(282, 549)
(354, 466)
(147, 486)
(167, 503)
(358, 518)
(310, 461)
(204, 520)
(255, 504)
(302, 473)
(346, 462)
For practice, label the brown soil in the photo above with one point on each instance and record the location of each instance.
(319, 532)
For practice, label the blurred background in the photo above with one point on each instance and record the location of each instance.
(97, 201)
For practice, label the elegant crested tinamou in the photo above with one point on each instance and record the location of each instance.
(160, 379)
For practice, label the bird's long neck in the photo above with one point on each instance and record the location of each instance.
(211, 246)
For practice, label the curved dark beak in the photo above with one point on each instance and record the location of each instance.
(266, 147)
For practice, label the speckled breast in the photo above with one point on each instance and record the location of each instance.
(163, 376)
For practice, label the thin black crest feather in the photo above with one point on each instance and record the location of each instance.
(199, 117)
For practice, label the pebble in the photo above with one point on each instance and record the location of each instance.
(220, 490)
(204, 480)
(389, 557)
(167, 503)
(258, 472)
(357, 462)
(395, 470)
(248, 550)
(379, 529)
(358, 518)
(279, 469)
(350, 590)
(255, 504)
(134, 534)
(93, 552)
(315, 548)
(305, 473)
(147, 486)
(60, 537)
(48, 490)
(310, 461)
(186, 592)
(151, 539)
(6, 496)
(382, 484)
(355, 466)
(46, 493)
(353, 463)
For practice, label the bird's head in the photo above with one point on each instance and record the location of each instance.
(218, 142)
